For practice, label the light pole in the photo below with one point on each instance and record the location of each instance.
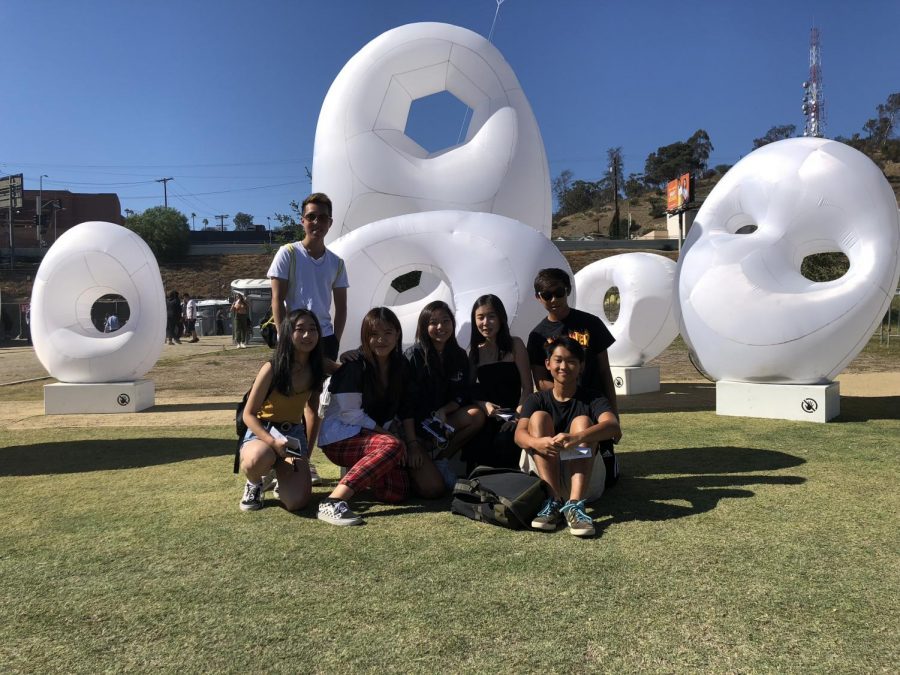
(40, 213)
(269, 219)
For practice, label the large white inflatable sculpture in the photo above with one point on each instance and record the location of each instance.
(372, 170)
(746, 311)
(468, 254)
(87, 262)
(646, 324)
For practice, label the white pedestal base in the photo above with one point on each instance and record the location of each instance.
(635, 379)
(64, 398)
(801, 402)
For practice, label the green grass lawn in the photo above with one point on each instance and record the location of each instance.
(729, 545)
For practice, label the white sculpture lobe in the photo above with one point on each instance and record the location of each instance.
(364, 161)
(746, 312)
(89, 261)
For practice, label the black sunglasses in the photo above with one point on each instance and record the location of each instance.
(547, 296)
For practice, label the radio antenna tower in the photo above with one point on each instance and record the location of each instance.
(813, 96)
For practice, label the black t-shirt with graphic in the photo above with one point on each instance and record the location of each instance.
(586, 329)
(584, 402)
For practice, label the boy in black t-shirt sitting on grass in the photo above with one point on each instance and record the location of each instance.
(561, 428)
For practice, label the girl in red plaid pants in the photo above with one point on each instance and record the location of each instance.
(360, 430)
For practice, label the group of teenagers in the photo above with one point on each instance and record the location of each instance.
(548, 407)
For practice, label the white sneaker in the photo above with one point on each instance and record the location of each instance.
(253, 497)
(270, 482)
(337, 513)
(314, 475)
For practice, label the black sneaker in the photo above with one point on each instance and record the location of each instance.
(253, 497)
(338, 513)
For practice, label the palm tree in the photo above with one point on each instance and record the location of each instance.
(205, 223)
(193, 215)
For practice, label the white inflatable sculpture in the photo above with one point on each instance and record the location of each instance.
(470, 254)
(746, 312)
(87, 262)
(372, 170)
(646, 324)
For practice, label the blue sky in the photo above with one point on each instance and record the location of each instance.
(224, 96)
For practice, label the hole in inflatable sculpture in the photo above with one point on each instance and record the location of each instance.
(107, 306)
(825, 266)
(746, 229)
(434, 121)
(611, 304)
(407, 281)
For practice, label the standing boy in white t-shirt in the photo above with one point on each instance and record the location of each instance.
(319, 276)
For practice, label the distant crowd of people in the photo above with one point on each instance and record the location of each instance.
(181, 318)
(394, 419)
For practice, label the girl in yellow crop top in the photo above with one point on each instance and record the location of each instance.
(279, 422)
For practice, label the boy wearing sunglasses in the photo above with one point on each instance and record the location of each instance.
(318, 275)
(552, 287)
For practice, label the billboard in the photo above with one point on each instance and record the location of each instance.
(679, 193)
(11, 192)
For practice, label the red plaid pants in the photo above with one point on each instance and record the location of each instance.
(373, 461)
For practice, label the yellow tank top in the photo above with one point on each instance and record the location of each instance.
(280, 408)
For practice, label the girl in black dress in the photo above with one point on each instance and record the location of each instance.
(502, 383)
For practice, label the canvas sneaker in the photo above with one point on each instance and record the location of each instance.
(314, 478)
(549, 515)
(338, 513)
(253, 497)
(580, 523)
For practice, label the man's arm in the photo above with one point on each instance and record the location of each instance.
(279, 291)
(541, 381)
(606, 380)
(340, 311)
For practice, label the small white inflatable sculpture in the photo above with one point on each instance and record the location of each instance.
(372, 170)
(87, 262)
(469, 254)
(646, 323)
(747, 313)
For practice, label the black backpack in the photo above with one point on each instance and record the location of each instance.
(503, 497)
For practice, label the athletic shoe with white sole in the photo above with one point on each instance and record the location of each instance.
(253, 497)
(580, 523)
(548, 517)
(338, 513)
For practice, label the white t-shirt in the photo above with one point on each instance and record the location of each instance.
(190, 309)
(314, 280)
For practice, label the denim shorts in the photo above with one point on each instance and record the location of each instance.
(297, 431)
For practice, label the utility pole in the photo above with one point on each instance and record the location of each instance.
(221, 222)
(614, 229)
(40, 210)
(813, 95)
(165, 181)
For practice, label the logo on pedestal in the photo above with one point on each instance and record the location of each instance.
(809, 405)
(123, 399)
(619, 382)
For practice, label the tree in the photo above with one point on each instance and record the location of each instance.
(205, 223)
(581, 196)
(164, 229)
(193, 215)
(243, 221)
(634, 185)
(777, 133)
(291, 229)
(614, 156)
(881, 128)
(561, 185)
(670, 161)
(701, 147)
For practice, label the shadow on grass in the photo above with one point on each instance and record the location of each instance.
(645, 493)
(105, 455)
(686, 397)
(184, 407)
(864, 408)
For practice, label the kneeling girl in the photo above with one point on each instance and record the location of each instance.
(278, 415)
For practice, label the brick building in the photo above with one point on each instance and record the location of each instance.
(62, 210)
